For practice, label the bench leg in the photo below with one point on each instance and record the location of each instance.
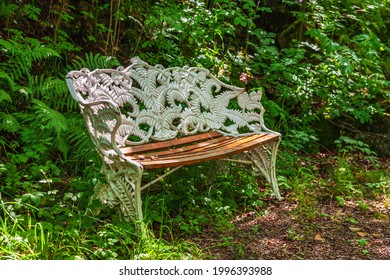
(264, 162)
(123, 188)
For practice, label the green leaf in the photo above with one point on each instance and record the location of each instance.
(7, 10)
(31, 11)
(9, 123)
(237, 20)
(35, 198)
(4, 96)
(50, 118)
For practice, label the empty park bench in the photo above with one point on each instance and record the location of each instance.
(147, 117)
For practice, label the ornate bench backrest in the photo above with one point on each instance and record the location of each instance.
(143, 103)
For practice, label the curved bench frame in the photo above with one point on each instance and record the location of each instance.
(146, 117)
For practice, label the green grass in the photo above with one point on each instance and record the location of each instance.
(25, 240)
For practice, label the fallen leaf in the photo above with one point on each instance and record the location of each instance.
(318, 237)
(354, 229)
(362, 234)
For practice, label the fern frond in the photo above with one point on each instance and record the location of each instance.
(11, 83)
(4, 96)
(10, 47)
(24, 52)
(9, 123)
(40, 52)
(61, 144)
(236, 116)
(53, 91)
(49, 118)
(8, 10)
(78, 139)
(96, 61)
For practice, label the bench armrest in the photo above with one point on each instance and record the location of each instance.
(103, 119)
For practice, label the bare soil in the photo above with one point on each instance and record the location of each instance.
(283, 231)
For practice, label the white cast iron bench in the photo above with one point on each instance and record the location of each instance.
(147, 117)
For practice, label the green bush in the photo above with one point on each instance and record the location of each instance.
(323, 65)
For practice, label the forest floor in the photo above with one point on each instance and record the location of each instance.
(310, 229)
(337, 232)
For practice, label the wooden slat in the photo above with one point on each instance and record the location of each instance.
(204, 143)
(209, 155)
(231, 145)
(199, 153)
(201, 148)
(170, 143)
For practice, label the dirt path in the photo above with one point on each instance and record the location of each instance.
(283, 231)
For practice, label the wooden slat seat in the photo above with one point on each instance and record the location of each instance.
(193, 149)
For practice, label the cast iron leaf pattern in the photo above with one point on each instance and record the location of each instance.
(151, 103)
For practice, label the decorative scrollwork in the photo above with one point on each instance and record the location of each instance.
(123, 188)
(264, 162)
(143, 103)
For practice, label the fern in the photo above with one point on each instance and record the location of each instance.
(4, 96)
(50, 119)
(53, 92)
(6, 83)
(44, 123)
(9, 123)
(93, 62)
(22, 53)
(39, 51)
(7, 10)
(9, 80)
(82, 150)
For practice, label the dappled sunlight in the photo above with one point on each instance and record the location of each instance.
(321, 69)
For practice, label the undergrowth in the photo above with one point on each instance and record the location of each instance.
(325, 74)
(54, 222)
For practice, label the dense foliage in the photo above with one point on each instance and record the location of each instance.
(324, 67)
